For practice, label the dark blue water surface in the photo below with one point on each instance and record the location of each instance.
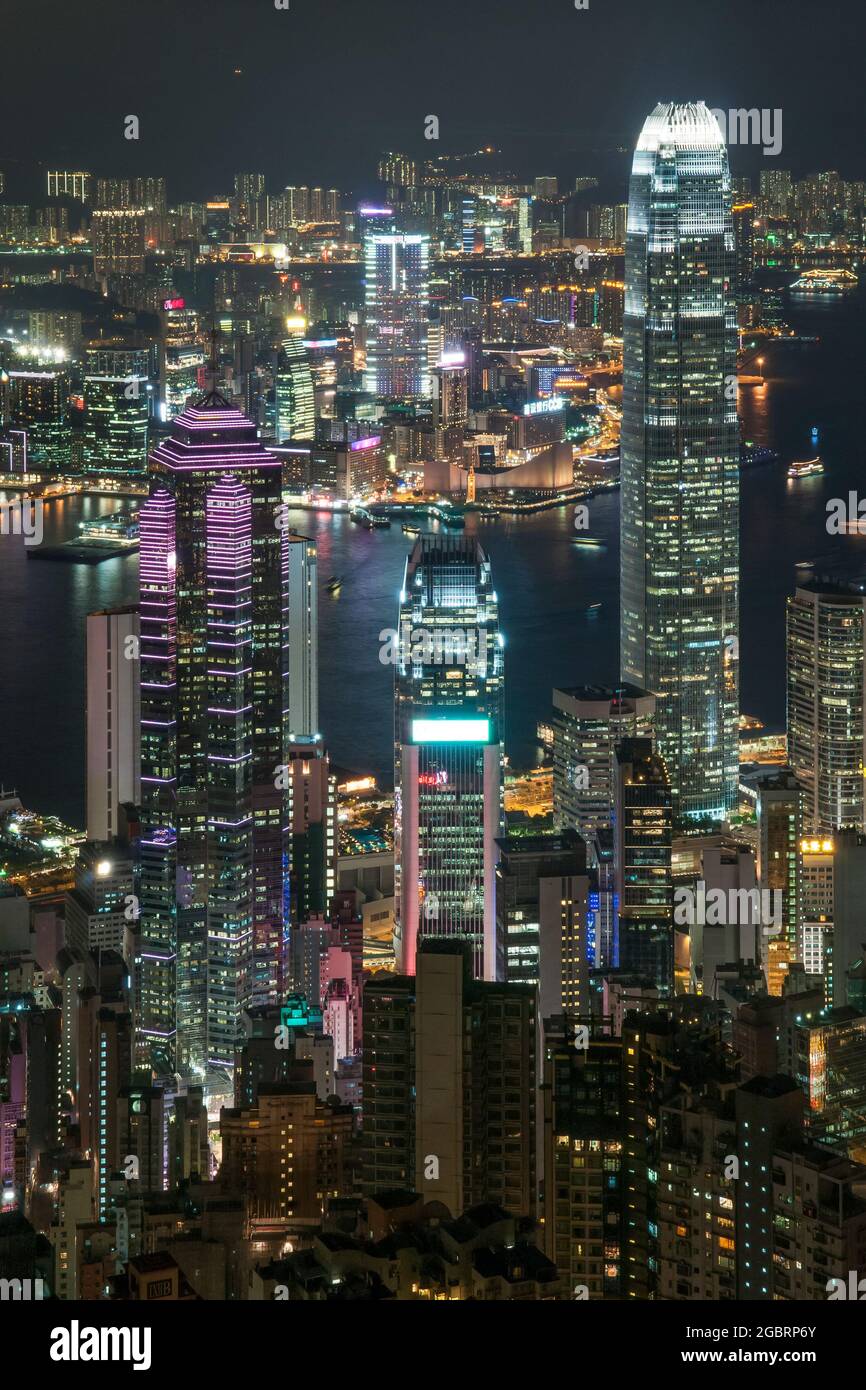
(544, 581)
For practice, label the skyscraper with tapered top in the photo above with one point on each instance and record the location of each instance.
(680, 455)
(214, 702)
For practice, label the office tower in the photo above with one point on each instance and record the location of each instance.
(588, 723)
(397, 299)
(118, 241)
(250, 197)
(642, 858)
(584, 1220)
(312, 792)
(449, 1083)
(777, 190)
(287, 1153)
(680, 455)
(116, 410)
(295, 402)
(543, 918)
(113, 719)
(826, 648)
(38, 404)
(448, 750)
(780, 812)
(65, 183)
(302, 635)
(214, 857)
(313, 830)
(218, 221)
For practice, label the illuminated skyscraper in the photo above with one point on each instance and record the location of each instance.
(113, 719)
(680, 455)
(214, 870)
(38, 403)
(116, 410)
(397, 298)
(642, 856)
(295, 407)
(449, 751)
(826, 640)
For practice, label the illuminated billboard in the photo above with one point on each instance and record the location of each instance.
(450, 730)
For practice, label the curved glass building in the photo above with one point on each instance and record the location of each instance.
(680, 455)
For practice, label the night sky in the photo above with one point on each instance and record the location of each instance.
(326, 85)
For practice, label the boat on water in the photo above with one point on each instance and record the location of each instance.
(411, 530)
(824, 282)
(334, 584)
(751, 455)
(806, 468)
(381, 522)
(591, 541)
(593, 608)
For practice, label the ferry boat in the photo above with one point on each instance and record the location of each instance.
(334, 584)
(590, 541)
(381, 522)
(411, 530)
(824, 282)
(806, 469)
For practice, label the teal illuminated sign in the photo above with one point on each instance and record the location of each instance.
(450, 730)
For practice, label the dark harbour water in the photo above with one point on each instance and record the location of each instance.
(545, 584)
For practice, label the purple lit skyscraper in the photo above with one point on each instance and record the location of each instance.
(215, 851)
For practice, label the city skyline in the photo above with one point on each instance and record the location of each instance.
(433, 709)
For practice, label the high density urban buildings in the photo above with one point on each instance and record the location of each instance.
(680, 453)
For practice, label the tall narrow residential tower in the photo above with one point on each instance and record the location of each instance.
(680, 455)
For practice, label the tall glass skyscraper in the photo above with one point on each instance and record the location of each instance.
(397, 295)
(680, 455)
(826, 641)
(214, 684)
(294, 394)
(448, 751)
